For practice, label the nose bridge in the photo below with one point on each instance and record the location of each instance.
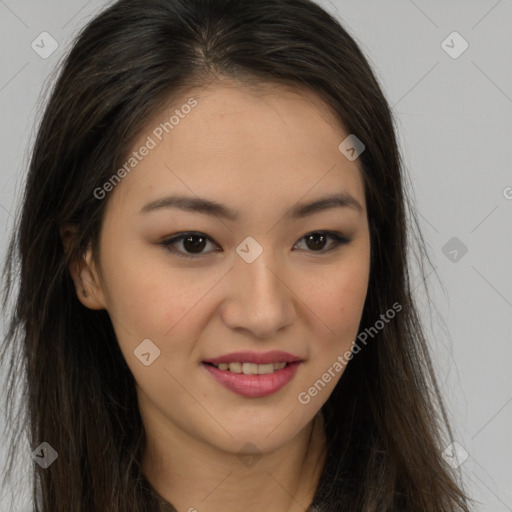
(260, 302)
(257, 272)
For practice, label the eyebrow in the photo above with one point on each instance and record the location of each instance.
(208, 207)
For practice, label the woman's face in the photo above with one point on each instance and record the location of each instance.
(250, 280)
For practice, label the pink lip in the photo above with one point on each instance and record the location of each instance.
(254, 385)
(273, 356)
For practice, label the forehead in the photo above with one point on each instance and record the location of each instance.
(254, 143)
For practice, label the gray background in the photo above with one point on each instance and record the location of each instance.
(454, 122)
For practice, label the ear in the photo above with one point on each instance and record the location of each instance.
(83, 271)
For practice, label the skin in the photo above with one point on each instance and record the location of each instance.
(259, 152)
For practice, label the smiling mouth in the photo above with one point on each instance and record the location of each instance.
(253, 380)
(250, 368)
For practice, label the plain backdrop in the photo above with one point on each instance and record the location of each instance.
(453, 109)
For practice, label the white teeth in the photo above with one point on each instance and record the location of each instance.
(265, 368)
(251, 368)
(235, 367)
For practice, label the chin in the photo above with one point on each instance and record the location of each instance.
(267, 432)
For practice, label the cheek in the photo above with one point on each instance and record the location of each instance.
(149, 299)
(148, 302)
(337, 304)
(336, 299)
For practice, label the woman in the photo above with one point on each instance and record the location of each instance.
(214, 310)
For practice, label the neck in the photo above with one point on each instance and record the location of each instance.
(198, 477)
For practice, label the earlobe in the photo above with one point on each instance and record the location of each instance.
(83, 272)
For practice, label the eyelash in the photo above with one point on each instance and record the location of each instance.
(338, 238)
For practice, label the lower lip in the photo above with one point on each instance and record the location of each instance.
(254, 385)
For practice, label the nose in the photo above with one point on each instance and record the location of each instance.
(259, 297)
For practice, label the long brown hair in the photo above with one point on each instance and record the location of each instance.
(384, 421)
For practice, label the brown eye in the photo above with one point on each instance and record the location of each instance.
(316, 241)
(191, 243)
(194, 244)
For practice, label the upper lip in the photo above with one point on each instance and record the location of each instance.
(273, 356)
